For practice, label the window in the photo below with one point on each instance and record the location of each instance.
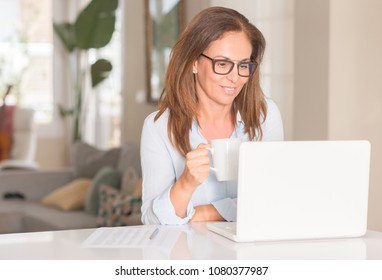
(26, 55)
(103, 118)
(39, 70)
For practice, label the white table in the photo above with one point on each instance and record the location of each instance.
(193, 242)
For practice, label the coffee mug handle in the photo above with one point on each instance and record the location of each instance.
(211, 150)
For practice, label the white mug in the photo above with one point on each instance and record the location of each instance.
(225, 158)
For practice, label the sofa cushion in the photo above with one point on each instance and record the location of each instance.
(49, 218)
(70, 196)
(88, 160)
(130, 158)
(138, 189)
(129, 180)
(116, 208)
(107, 175)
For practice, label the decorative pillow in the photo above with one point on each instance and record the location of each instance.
(107, 175)
(70, 196)
(115, 207)
(88, 160)
(138, 189)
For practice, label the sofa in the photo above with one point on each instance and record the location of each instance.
(101, 188)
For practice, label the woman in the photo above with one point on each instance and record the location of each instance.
(211, 90)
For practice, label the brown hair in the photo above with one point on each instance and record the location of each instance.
(179, 94)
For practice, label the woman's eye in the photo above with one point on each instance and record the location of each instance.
(223, 64)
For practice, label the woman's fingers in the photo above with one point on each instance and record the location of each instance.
(198, 164)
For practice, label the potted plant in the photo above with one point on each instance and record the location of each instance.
(92, 29)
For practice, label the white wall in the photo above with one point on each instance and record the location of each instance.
(135, 108)
(355, 87)
(337, 79)
(311, 60)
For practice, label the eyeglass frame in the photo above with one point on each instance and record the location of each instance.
(214, 61)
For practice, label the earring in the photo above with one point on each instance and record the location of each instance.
(194, 71)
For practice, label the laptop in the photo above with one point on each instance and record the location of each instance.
(294, 190)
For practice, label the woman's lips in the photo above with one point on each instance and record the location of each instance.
(229, 90)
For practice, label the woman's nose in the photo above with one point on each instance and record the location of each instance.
(233, 76)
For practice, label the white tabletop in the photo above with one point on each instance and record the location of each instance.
(193, 241)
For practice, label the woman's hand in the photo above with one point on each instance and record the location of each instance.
(196, 170)
(197, 167)
(204, 213)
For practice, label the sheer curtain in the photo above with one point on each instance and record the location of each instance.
(102, 118)
(101, 110)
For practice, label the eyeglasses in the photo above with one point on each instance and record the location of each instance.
(224, 66)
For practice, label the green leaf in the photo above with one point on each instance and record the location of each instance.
(100, 70)
(66, 33)
(95, 25)
(64, 112)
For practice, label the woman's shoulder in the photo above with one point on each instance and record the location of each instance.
(271, 105)
(273, 125)
(155, 129)
(160, 121)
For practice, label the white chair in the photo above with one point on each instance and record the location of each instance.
(23, 141)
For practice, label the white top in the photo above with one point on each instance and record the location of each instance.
(162, 165)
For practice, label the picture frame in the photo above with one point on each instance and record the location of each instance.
(164, 21)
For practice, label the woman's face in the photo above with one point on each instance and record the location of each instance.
(215, 89)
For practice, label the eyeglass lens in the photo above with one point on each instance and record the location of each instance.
(224, 67)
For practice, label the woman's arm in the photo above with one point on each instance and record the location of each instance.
(204, 213)
(169, 180)
(158, 174)
(196, 170)
(166, 200)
